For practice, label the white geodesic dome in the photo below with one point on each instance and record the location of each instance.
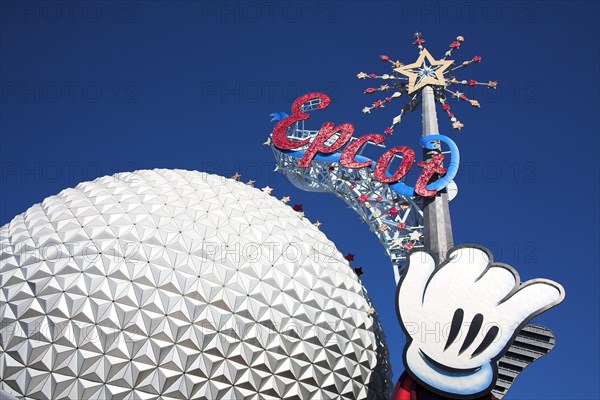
(180, 284)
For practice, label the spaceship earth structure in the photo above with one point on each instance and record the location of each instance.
(180, 285)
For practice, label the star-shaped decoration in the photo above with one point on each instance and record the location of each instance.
(361, 75)
(407, 80)
(415, 235)
(250, 182)
(285, 199)
(393, 212)
(425, 71)
(268, 141)
(358, 271)
(349, 257)
(267, 189)
(397, 242)
(457, 125)
(236, 176)
(318, 224)
(418, 39)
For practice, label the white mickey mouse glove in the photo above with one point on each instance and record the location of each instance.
(461, 317)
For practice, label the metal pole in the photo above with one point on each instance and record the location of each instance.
(436, 213)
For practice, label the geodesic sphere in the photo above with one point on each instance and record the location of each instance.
(179, 284)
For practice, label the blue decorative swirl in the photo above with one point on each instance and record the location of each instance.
(278, 116)
(427, 142)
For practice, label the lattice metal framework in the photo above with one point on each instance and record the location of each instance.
(396, 220)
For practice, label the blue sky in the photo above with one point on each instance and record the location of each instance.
(89, 89)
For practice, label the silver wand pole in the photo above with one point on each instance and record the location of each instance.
(436, 213)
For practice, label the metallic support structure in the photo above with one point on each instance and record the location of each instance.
(398, 231)
(533, 342)
(436, 213)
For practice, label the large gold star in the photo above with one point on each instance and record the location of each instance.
(422, 73)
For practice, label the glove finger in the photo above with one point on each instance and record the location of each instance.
(467, 262)
(412, 286)
(496, 283)
(532, 298)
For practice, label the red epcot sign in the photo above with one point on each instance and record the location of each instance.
(328, 130)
